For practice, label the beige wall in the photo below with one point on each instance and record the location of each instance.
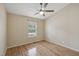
(17, 30)
(3, 29)
(63, 27)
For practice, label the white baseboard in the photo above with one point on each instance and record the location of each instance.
(23, 44)
(63, 45)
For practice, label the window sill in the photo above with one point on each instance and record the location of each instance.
(32, 35)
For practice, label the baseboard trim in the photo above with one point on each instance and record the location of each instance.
(25, 43)
(63, 45)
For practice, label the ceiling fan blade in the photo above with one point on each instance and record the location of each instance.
(41, 5)
(43, 14)
(48, 10)
(36, 13)
(45, 5)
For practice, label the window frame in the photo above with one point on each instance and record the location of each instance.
(29, 33)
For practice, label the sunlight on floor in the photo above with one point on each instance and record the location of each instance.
(32, 52)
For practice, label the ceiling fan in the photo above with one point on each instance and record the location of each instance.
(43, 10)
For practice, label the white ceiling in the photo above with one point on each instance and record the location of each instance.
(29, 9)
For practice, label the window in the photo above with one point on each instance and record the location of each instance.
(32, 29)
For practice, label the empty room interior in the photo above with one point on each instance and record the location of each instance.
(39, 29)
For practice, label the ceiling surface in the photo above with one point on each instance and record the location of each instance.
(29, 9)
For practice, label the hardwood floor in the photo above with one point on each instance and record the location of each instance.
(41, 48)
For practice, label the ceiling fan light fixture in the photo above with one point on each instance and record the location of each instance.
(41, 12)
(42, 8)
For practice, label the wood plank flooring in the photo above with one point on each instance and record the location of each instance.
(42, 48)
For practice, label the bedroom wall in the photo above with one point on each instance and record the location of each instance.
(63, 27)
(17, 30)
(3, 30)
